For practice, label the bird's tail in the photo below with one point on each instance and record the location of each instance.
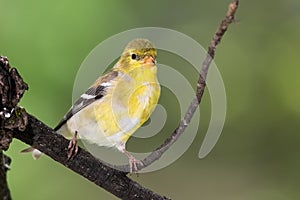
(36, 154)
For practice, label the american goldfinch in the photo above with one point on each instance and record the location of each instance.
(117, 104)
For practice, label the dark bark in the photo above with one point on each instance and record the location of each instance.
(12, 88)
(4, 166)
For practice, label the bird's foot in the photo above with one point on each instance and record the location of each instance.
(73, 146)
(133, 163)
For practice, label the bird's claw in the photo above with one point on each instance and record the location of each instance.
(133, 164)
(73, 146)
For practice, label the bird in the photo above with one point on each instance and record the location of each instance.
(116, 104)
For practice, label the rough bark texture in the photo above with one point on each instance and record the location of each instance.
(4, 166)
(12, 88)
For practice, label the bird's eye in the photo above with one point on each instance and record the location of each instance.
(134, 56)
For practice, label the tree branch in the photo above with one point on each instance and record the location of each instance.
(4, 166)
(12, 89)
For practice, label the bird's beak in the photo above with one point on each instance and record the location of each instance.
(149, 60)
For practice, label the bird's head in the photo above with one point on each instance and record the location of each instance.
(138, 52)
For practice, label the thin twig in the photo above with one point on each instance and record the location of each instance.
(201, 84)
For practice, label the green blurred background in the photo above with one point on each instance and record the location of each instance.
(257, 156)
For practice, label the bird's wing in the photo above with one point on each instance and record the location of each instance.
(95, 92)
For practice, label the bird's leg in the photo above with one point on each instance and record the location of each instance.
(133, 162)
(73, 146)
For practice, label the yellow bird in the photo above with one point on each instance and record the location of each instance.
(117, 104)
